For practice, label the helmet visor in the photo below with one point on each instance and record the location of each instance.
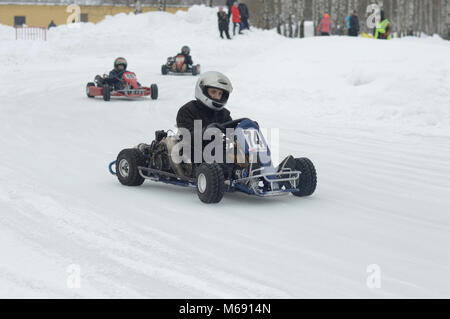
(120, 61)
(217, 95)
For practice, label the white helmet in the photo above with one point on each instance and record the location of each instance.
(213, 80)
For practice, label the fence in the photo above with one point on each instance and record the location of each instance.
(31, 33)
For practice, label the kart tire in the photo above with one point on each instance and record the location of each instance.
(127, 164)
(308, 178)
(87, 89)
(210, 183)
(106, 92)
(194, 70)
(154, 91)
(164, 70)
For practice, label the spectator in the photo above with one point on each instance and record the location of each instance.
(325, 25)
(224, 22)
(236, 17)
(243, 10)
(354, 25)
(230, 6)
(383, 29)
(347, 22)
(52, 24)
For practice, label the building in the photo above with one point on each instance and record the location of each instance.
(40, 13)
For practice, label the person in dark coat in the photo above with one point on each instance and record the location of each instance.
(224, 22)
(245, 15)
(230, 6)
(354, 25)
(52, 24)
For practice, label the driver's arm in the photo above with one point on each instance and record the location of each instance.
(113, 75)
(185, 119)
(227, 116)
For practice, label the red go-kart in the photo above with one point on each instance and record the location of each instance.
(174, 65)
(127, 86)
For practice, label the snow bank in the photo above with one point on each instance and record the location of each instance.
(360, 79)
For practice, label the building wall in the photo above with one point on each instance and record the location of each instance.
(41, 15)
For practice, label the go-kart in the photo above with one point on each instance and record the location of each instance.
(127, 86)
(254, 177)
(174, 65)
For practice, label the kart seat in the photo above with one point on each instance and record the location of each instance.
(178, 168)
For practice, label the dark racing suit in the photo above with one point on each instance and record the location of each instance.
(115, 77)
(195, 110)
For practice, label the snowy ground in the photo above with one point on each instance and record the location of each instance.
(373, 116)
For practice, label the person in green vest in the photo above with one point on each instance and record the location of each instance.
(383, 28)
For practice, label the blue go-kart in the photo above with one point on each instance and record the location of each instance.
(249, 171)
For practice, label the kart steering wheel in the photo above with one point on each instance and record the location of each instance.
(223, 126)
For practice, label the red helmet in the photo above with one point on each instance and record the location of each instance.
(327, 16)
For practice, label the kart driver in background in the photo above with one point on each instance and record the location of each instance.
(185, 51)
(115, 76)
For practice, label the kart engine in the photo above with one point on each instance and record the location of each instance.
(159, 158)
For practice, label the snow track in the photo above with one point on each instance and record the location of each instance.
(373, 116)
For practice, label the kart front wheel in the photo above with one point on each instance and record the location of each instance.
(154, 91)
(127, 164)
(210, 183)
(164, 70)
(307, 180)
(106, 92)
(88, 86)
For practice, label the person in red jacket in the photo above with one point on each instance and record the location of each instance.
(325, 25)
(236, 18)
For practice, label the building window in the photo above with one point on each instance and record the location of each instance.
(19, 20)
(84, 17)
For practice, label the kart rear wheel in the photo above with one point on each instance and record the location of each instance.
(154, 91)
(210, 183)
(87, 89)
(127, 164)
(106, 92)
(164, 70)
(194, 70)
(307, 181)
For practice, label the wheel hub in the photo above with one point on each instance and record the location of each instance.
(201, 183)
(124, 168)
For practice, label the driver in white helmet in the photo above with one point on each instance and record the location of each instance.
(211, 92)
(211, 95)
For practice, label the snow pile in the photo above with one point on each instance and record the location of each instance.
(374, 116)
